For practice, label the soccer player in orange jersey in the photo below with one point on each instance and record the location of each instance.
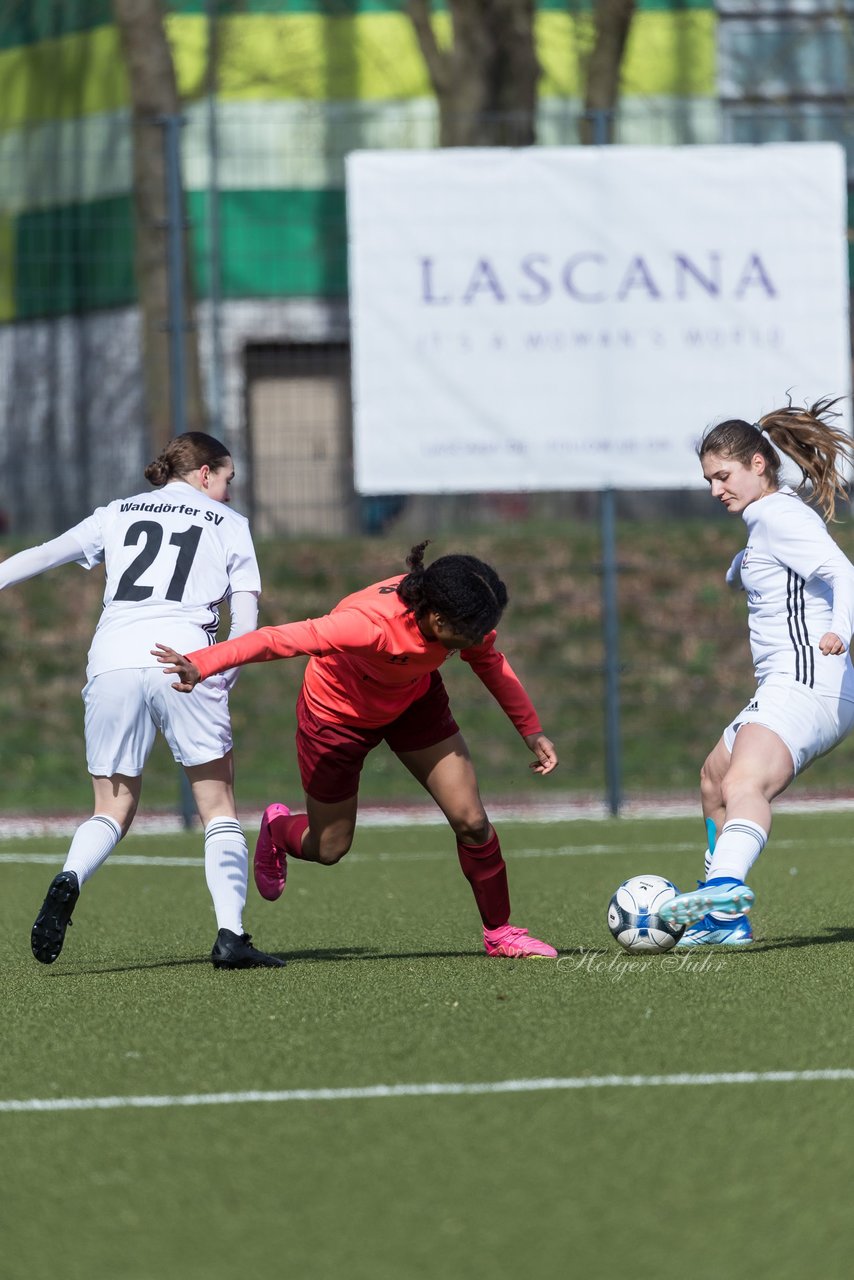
(373, 675)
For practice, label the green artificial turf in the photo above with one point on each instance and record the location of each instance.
(386, 984)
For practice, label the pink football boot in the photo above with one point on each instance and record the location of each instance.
(516, 944)
(270, 866)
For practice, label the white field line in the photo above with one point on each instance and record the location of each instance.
(116, 860)
(424, 855)
(14, 826)
(22, 856)
(430, 1090)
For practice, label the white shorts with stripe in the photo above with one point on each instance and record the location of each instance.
(809, 723)
(124, 710)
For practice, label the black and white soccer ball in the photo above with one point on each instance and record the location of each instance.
(633, 915)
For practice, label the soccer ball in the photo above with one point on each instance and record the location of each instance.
(633, 915)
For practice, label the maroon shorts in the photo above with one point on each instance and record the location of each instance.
(331, 756)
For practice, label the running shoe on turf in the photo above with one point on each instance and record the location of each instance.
(516, 944)
(54, 918)
(235, 951)
(270, 865)
(715, 931)
(728, 897)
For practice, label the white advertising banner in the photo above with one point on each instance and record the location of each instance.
(573, 318)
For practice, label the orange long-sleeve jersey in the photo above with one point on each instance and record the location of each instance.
(368, 661)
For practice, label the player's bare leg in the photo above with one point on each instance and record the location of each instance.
(212, 785)
(330, 831)
(118, 798)
(712, 776)
(760, 768)
(323, 833)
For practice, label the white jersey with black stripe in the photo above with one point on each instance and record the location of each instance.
(799, 586)
(172, 556)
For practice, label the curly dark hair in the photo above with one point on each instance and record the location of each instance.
(467, 593)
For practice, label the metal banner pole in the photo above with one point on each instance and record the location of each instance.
(610, 640)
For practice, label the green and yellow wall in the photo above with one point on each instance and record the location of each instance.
(299, 83)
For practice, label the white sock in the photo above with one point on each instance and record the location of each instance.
(227, 871)
(707, 862)
(738, 846)
(93, 843)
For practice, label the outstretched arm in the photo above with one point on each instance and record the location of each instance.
(176, 664)
(337, 632)
(35, 560)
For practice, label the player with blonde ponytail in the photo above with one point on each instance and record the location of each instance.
(800, 602)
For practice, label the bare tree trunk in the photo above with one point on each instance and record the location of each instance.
(612, 20)
(154, 94)
(486, 82)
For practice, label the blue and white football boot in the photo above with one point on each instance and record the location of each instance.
(717, 931)
(721, 896)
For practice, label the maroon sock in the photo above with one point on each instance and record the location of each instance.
(486, 872)
(287, 830)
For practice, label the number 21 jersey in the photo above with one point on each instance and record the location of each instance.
(171, 556)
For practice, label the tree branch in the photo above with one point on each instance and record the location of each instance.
(438, 62)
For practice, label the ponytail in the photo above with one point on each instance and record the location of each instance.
(807, 436)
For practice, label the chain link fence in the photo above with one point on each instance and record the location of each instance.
(267, 243)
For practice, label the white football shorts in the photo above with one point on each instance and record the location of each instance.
(809, 723)
(124, 710)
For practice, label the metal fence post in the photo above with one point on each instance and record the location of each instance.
(600, 120)
(176, 323)
(611, 642)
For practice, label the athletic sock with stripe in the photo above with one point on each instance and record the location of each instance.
(93, 842)
(227, 871)
(736, 849)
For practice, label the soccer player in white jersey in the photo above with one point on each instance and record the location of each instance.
(172, 556)
(800, 600)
